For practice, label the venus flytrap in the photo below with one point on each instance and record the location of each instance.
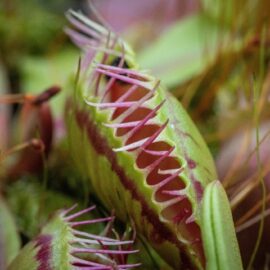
(143, 154)
(61, 245)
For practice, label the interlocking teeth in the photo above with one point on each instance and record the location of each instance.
(122, 125)
(108, 88)
(73, 216)
(124, 71)
(146, 119)
(165, 154)
(86, 26)
(168, 179)
(180, 192)
(172, 201)
(110, 104)
(124, 78)
(164, 172)
(132, 146)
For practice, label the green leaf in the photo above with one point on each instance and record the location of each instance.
(183, 51)
(221, 11)
(218, 233)
(9, 238)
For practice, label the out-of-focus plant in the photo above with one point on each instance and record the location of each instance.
(35, 122)
(4, 109)
(142, 22)
(212, 55)
(20, 36)
(209, 50)
(40, 205)
(237, 164)
(9, 239)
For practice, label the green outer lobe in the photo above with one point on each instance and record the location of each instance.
(9, 238)
(190, 143)
(61, 234)
(220, 243)
(59, 248)
(114, 195)
(26, 258)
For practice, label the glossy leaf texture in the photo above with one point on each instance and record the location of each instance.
(141, 151)
(219, 238)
